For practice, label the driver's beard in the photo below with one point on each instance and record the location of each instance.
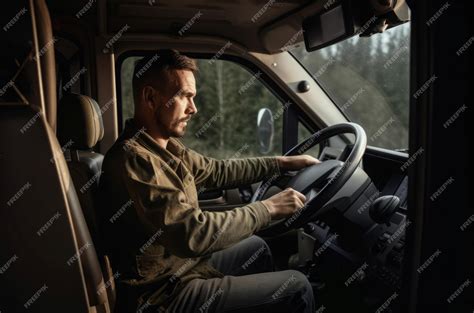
(167, 132)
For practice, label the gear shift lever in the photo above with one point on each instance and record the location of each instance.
(383, 208)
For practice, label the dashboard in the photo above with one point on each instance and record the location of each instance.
(362, 260)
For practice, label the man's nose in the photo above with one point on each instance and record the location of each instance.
(192, 107)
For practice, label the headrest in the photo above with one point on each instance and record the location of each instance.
(80, 123)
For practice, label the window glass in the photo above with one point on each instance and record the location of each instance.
(228, 100)
(368, 79)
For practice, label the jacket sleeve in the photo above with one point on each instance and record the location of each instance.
(211, 173)
(186, 231)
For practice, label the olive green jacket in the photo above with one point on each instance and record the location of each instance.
(156, 235)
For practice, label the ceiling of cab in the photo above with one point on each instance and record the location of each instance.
(258, 25)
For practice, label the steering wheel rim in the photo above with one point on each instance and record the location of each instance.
(339, 173)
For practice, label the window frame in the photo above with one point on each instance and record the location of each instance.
(291, 116)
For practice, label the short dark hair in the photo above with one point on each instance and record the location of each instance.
(152, 67)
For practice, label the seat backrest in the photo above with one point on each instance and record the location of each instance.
(80, 128)
(45, 239)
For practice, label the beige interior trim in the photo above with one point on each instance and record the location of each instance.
(39, 80)
(106, 94)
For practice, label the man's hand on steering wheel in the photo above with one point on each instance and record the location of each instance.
(284, 203)
(296, 162)
(288, 201)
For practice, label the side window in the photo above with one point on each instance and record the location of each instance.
(228, 100)
(304, 133)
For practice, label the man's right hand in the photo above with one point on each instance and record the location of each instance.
(284, 203)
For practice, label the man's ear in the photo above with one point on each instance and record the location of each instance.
(149, 97)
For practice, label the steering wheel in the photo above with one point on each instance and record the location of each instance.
(319, 182)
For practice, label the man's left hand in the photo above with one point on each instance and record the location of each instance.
(296, 162)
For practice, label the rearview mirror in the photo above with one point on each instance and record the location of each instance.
(345, 18)
(265, 130)
(328, 27)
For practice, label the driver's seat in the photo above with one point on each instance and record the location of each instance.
(80, 128)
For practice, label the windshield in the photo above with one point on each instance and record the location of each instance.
(368, 79)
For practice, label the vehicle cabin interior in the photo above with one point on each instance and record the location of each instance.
(331, 79)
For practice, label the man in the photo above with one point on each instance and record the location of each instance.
(171, 255)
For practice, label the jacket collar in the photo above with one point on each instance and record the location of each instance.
(174, 148)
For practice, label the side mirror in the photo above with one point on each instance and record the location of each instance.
(265, 130)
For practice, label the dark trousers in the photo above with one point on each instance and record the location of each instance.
(250, 285)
